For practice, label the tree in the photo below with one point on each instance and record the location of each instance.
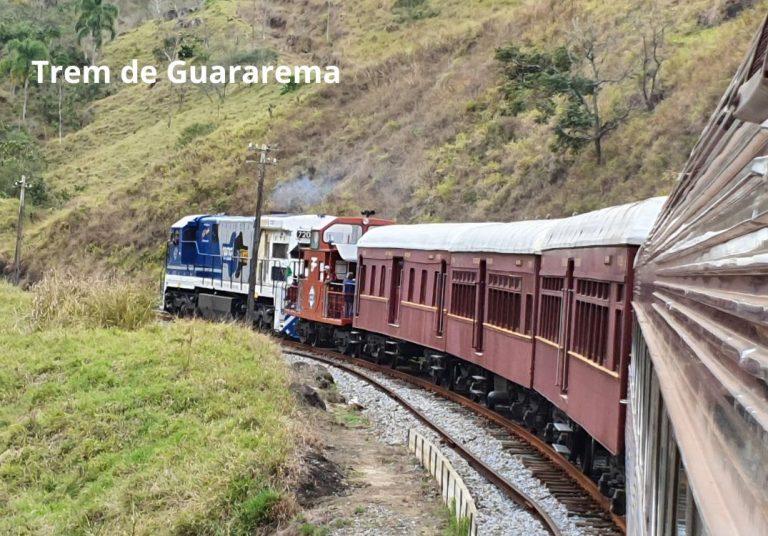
(566, 84)
(17, 63)
(96, 17)
(653, 41)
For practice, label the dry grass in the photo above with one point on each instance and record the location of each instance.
(415, 130)
(62, 299)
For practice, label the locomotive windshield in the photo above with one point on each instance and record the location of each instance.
(342, 233)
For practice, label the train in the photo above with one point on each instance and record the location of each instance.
(631, 338)
(530, 317)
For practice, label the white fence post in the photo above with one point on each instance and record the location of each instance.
(452, 487)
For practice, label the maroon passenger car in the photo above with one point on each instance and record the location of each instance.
(530, 317)
(401, 296)
(584, 331)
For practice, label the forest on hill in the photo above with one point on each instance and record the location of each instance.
(447, 110)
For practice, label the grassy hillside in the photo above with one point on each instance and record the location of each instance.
(418, 129)
(177, 428)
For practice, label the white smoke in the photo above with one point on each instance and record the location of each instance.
(302, 192)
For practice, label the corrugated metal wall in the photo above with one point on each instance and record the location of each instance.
(702, 304)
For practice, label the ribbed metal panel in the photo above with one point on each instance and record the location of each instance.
(702, 304)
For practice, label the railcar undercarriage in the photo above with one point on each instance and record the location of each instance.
(217, 306)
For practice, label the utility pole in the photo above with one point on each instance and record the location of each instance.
(19, 229)
(254, 253)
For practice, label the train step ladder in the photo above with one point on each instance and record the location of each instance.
(391, 348)
(478, 387)
(437, 365)
(355, 337)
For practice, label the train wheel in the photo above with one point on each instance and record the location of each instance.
(303, 332)
(313, 339)
(342, 343)
(376, 353)
(187, 310)
(437, 378)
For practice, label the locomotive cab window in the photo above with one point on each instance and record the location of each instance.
(314, 241)
(188, 234)
(210, 232)
(342, 233)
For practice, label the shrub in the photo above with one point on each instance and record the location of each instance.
(257, 511)
(62, 299)
(195, 130)
(290, 87)
(412, 10)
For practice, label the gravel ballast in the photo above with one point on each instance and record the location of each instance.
(497, 514)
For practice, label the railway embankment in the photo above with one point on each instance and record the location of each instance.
(112, 422)
(174, 428)
(497, 514)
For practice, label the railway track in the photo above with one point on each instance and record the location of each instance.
(579, 495)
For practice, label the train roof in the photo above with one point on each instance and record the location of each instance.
(627, 224)
(518, 237)
(269, 221)
(424, 236)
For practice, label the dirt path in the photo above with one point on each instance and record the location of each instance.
(359, 485)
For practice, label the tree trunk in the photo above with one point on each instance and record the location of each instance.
(596, 130)
(598, 151)
(61, 85)
(26, 98)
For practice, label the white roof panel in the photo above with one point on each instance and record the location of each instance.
(300, 221)
(620, 225)
(288, 222)
(425, 236)
(520, 237)
(185, 220)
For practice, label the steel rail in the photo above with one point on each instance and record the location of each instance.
(570, 471)
(507, 487)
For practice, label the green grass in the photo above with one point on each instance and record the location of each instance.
(178, 428)
(310, 529)
(457, 526)
(349, 417)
